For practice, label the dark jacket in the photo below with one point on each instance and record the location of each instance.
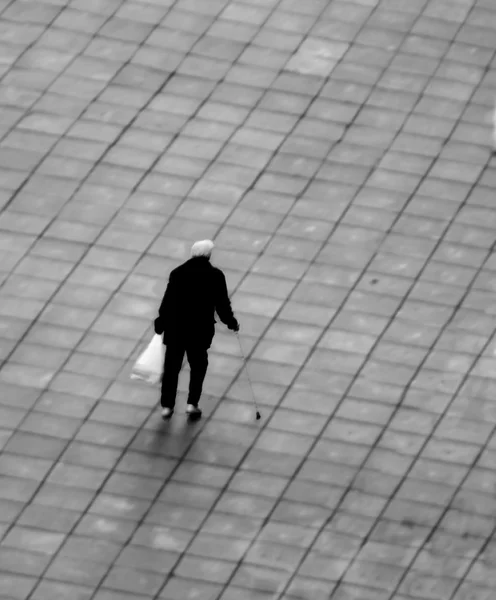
(196, 290)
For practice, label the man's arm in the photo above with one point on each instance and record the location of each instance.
(165, 307)
(223, 304)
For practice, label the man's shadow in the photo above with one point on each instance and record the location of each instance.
(175, 436)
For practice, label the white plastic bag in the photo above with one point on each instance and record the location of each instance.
(150, 363)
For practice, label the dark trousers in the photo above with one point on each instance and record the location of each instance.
(198, 361)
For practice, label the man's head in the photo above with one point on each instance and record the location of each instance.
(202, 248)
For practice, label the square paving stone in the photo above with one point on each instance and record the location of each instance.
(464, 547)
(52, 589)
(11, 509)
(162, 538)
(21, 222)
(192, 496)
(438, 472)
(66, 316)
(308, 588)
(17, 586)
(320, 471)
(481, 592)
(257, 483)
(33, 540)
(306, 515)
(344, 362)
(17, 308)
(270, 462)
(75, 571)
(119, 507)
(176, 516)
(310, 384)
(433, 564)
(23, 563)
(416, 582)
(213, 571)
(147, 560)
(213, 476)
(301, 227)
(128, 327)
(408, 512)
(408, 533)
(77, 476)
(237, 504)
(319, 566)
(296, 422)
(64, 497)
(405, 443)
(222, 453)
(207, 130)
(384, 577)
(5, 435)
(409, 419)
(281, 353)
(133, 486)
(424, 492)
(337, 452)
(363, 504)
(293, 332)
(87, 386)
(450, 451)
(24, 467)
(81, 548)
(314, 493)
(53, 519)
(228, 433)
(105, 434)
(236, 593)
(398, 354)
(232, 525)
(185, 588)
(90, 455)
(258, 581)
(50, 425)
(217, 547)
(33, 444)
(283, 442)
(39, 356)
(271, 121)
(428, 401)
(117, 530)
(99, 367)
(247, 75)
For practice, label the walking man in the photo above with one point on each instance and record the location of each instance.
(196, 290)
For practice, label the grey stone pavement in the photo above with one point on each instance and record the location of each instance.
(339, 152)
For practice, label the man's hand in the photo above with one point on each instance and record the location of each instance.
(234, 326)
(158, 326)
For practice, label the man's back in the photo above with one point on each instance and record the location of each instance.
(196, 290)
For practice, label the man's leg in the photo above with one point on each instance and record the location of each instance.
(198, 362)
(173, 362)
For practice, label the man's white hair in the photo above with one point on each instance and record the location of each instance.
(202, 248)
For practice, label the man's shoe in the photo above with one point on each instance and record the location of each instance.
(167, 413)
(193, 411)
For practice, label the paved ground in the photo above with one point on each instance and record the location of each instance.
(339, 153)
